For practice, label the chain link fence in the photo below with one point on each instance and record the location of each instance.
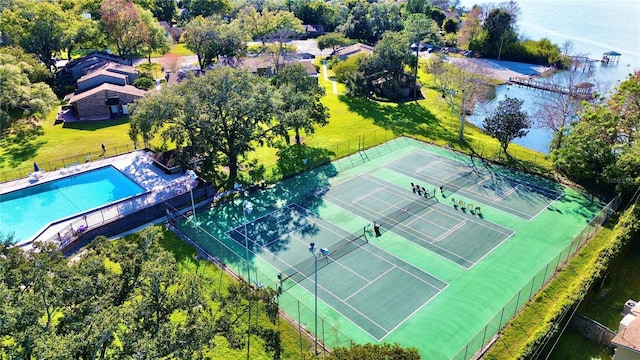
(65, 162)
(235, 260)
(545, 274)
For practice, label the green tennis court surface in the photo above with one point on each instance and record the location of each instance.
(449, 269)
(348, 279)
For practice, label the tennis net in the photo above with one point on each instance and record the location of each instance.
(305, 268)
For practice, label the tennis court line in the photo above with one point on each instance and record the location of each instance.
(513, 189)
(366, 195)
(458, 226)
(469, 193)
(546, 207)
(376, 255)
(393, 267)
(507, 233)
(395, 206)
(368, 282)
(345, 303)
(431, 164)
(236, 230)
(548, 193)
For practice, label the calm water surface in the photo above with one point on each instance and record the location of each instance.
(593, 27)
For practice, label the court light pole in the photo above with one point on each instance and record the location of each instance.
(316, 253)
(192, 175)
(247, 208)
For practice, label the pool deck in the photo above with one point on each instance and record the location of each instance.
(136, 165)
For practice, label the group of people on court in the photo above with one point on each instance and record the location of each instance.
(421, 191)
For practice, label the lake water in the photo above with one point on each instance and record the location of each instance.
(593, 27)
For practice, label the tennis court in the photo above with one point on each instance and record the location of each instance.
(348, 279)
(448, 269)
(477, 183)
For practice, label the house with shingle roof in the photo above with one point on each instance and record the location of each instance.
(348, 51)
(104, 102)
(112, 73)
(104, 88)
(265, 66)
(75, 69)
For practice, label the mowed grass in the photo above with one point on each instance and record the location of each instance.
(53, 146)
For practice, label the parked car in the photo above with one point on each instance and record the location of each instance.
(305, 56)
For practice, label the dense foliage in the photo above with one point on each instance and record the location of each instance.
(383, 351)
(602, 148)
(122, 299)
(24, 96)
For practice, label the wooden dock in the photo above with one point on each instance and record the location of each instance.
(581, 91)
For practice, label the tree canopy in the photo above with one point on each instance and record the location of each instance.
(37, 26)
(217, 118)
(301, 108)
(508, 122)
(122, 299)
(124, 26)
(23, 94)
(602, 147)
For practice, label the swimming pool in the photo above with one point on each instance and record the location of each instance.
(27, 211)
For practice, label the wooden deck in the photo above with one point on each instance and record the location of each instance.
(583, 93)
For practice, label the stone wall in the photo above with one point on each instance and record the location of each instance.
(94, 107)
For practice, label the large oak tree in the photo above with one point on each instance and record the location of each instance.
(217, 118)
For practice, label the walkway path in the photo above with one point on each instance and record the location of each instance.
(326, 77)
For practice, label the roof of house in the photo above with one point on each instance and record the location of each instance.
(256, 63)
(253, 64)
(127, 89)
(176, 32)
(102, 71)
(354, 49)
(308, 65)
(629, 338)
(82, 62)
(165, 25)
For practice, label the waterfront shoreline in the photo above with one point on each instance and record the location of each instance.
(504, 70)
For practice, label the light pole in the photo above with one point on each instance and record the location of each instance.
(316, 253)
(247, 208)
(192, 175)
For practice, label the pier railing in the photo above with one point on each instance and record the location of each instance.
(583, 93)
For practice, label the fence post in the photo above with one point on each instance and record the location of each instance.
(533, 283)
(324, 351)
(300, 330)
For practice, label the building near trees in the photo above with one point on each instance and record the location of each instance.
(103, 88)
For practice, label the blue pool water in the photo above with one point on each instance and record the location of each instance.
(28, 210)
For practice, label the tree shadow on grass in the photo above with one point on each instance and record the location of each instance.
(21, 142)
(96, 125)
(404, 118)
